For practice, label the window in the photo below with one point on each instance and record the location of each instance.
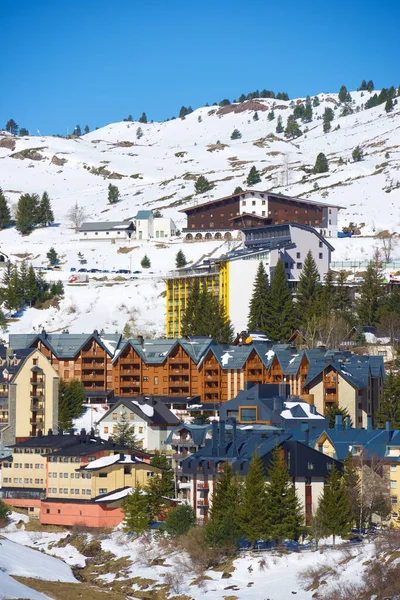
(248, 414)
(286, 265)
(263, 202)
(47, 511)
(105, 429)
(393, 467)
(393, 484)
(253, 203)
(150, 474)
(88, 492)
(243, 202)
(310, 466)
(103, 491)
(298, 255)
(155, 380)
(140, 429)
(145, 378)
(299, 265)
(91, 458)
(115, 416)
(102, 474)
(58, 511)
(321, 255)
(320, 244)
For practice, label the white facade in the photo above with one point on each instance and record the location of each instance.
(147, 436)
(106, 231)
(144, 228)
(154, 228)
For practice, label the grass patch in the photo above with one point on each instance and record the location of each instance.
(67, 591)
(36, 525)
(126, 250)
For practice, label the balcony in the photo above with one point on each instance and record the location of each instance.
(92, 377)
(202, 503)
(174, 379)
(35, 420)
(178, 364)
(201, 486)
(180, 455)
(92, 365)
(3, 420)
(331, 398)
(176, 439)
(37, 408)
(36, 381)
(37, 394)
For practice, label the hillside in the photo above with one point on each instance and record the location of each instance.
(158, 170)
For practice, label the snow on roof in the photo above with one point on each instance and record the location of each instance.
(293, 359)
(270, 354)
(104, 461)
(225, 358)
(287, 414)
(116, 495)
(145, 408)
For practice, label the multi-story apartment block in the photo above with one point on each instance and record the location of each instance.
(29, 401)
(223, 218)
(215, 373)
(74, 479)
(237, 269)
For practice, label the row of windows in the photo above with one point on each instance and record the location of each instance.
(54, 474)
(65, 459)
(27, 480)
(32, 450)
(26, 465)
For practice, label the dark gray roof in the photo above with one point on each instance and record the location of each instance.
(106, 226)
(65, 345)
(161, 413)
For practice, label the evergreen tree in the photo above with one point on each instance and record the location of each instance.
(255, 116)
(271, 116)
(389, 409)
(26, 215)
(370, 294)
(218, 325)
(370, 86)
(3, 321)
(13, 294)
(316, 101)
(77, 131)
(352, 483)
(342, 296)
(389, 105)
(86, 130)
(328, 294)
(5, 215)
(251, 513)
(202, 185)
(139, 133)
(221, 528)
(357, 154)
(124, 435)
(308, 111)
(343, 94)
(363, 86)
(205, 315)
(23, 132)
(113, 193)
(71, 397)
(332, 411)
(23, 278)
(284, 512)
(238, 190)
(145, 262)
(292, 128)
(180, 260)
(44, 214)
(180, 519)
(279, 125)
(308, 290)
(334, 506)
(31, 287)
(12, 127)
(327, 119)
(5, 512)
(190, 317)
(137, 511)
(242, 98)
(52, 256)
(143, 118)
(259, 316)
(157, 214)
(253, 177)
(183, 112)
(321, 164)
(236, 135)
(282, 319)
(160, 460)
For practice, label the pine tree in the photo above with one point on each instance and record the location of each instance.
(190, 317)
(52, 256)
(23, 132)
(143, 118)
(357, 154)
(113, 193)
(202, 185)
(332, 411)
(145, 262)
(23, 278)
(5, 512)
(12, 127)
(77, 131)
(308, 290)
(5, 215)
(328, 294)
(327, 119)
(13, 295)
(71, 397)
(31, 288)
(255, 116)
(334, 506)
(253, 177)
(282, 318)
(370, 86)
(180, 260)
(316, 101)
(86, 130)
(284, 511)
(221, 528)
(26, 215)
(218, 325)
(139, 133)
(279, 125)
(370, 294)
(343, 94)
(292, 129)
(238, 190)
(45, 214)
(352, 483)
(389, 409)
(251, 512)
(205, 315)
(124, 435)
(259, 316)
(321, 164)
(160, 460)
(308, 112)
(137, 511)
(236, 135)
(271, 115)
(342, 296)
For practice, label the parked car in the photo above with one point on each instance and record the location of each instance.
(124, 271)
(136, 272)
(72, 269)
(82, 271)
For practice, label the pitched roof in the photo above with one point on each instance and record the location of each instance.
(64, 345)
(148, 408)
(144, 215)
(106, 226)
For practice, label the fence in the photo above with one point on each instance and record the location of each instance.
(350, 264)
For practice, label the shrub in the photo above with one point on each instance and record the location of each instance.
(321, 164)
(5, 512)
(145, 262)
(180, 520)
(236, 135)
(357, 154)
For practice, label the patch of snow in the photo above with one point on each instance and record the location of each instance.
(270, 354)
(225, 358)
(147, 409)
(104, 461)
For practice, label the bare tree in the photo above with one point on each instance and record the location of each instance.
(374, 488)
(76, 215)
(390, 326)
(388, 245)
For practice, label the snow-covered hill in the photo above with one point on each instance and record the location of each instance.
(158, 170)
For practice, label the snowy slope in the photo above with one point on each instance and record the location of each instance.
(158, 171)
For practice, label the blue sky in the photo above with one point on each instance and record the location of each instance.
(95, 61)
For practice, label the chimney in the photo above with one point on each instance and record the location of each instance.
(306, 435)
(277, 404)
(9, 353)
(83, 432)
(348, 422)
(283, 389)
(313, 410)
(141, 340)
(122, 457)
(222, 435)
(50, 432)
(214, 438)
(389, 432)
(339, 423)
(40, 433)
(369, 423)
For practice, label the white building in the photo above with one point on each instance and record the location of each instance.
(107, 230)
(148, 226)
(150, 420)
